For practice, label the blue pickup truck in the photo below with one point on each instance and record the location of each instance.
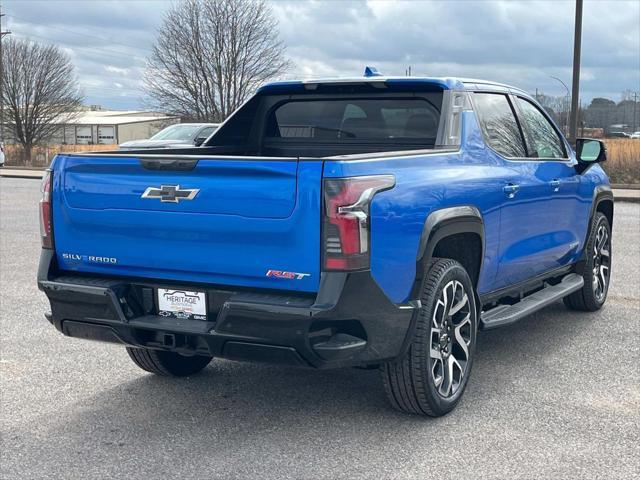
(366, 222)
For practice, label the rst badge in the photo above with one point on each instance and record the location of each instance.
(287, 275)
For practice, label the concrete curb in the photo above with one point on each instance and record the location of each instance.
(21, 173)
(626, 186)
(620, 195)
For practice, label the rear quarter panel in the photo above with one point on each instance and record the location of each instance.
(425, 183)
(475, 176)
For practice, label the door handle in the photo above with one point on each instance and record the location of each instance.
(511, 189)
(555, 184)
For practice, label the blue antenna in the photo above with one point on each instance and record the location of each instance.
(371, 72)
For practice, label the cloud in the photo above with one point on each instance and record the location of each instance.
(517, 42)
(117, 71)
(521, 43)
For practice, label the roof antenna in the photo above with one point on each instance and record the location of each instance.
(371, 72)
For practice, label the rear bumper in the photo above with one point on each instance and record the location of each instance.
(349, 322)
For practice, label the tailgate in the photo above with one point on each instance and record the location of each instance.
(214, 220)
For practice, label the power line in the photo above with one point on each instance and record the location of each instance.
(66, 30)
(106, 52)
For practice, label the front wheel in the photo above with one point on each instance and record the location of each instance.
(167, 364)
(596, 270)
(430, 378)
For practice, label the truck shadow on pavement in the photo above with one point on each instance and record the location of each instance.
(236, 404)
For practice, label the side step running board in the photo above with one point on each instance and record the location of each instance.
(506, 314)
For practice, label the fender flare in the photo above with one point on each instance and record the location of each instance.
(445, 222)
(601, 194)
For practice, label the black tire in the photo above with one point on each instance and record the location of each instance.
(167, 364)
(593, 294)
(410, 381)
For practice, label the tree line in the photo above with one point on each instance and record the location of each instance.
(599, 113)
(209, 56)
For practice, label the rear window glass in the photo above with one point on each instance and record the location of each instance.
(357, 120)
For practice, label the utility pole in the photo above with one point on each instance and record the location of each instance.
(2, 34)
(575, 90)
(635, 105)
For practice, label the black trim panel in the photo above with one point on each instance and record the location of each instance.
(448, 221)
(264, 325)
(602, 193)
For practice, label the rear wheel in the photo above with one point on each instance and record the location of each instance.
(596, 270)
(432, 375)
(168, 364)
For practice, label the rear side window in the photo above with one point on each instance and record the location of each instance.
(543, 140)
(357, 120)
(498, 122)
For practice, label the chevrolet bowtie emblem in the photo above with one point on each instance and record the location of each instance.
(170, 193)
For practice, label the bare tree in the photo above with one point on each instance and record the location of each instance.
(210, 55)
(39, 89)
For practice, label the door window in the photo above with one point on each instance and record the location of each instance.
(543, 140)
(498, 122)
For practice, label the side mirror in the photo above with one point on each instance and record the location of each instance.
(199, 141)
(589, 152)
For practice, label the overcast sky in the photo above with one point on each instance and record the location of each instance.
(517, 42)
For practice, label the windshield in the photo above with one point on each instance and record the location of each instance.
(177, 132)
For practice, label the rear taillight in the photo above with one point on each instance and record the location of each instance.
(346, 225)
(46, 227)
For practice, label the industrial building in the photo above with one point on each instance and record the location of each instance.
(110, 127)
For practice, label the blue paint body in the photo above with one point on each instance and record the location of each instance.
(528, 235)
(250, 217)
(254, 215)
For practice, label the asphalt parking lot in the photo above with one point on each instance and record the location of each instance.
(555, 396)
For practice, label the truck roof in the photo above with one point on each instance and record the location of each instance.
(444, 83)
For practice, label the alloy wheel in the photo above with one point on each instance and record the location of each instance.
(451, 332)
(601, 263)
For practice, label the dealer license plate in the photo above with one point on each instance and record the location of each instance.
(184, 304)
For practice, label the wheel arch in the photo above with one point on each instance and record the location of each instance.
(603, 203)
(453, 232)
(605, 206)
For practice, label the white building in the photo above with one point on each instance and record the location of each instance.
(111, 127)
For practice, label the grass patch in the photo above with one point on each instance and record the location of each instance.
(623, 160)
(622, 165)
